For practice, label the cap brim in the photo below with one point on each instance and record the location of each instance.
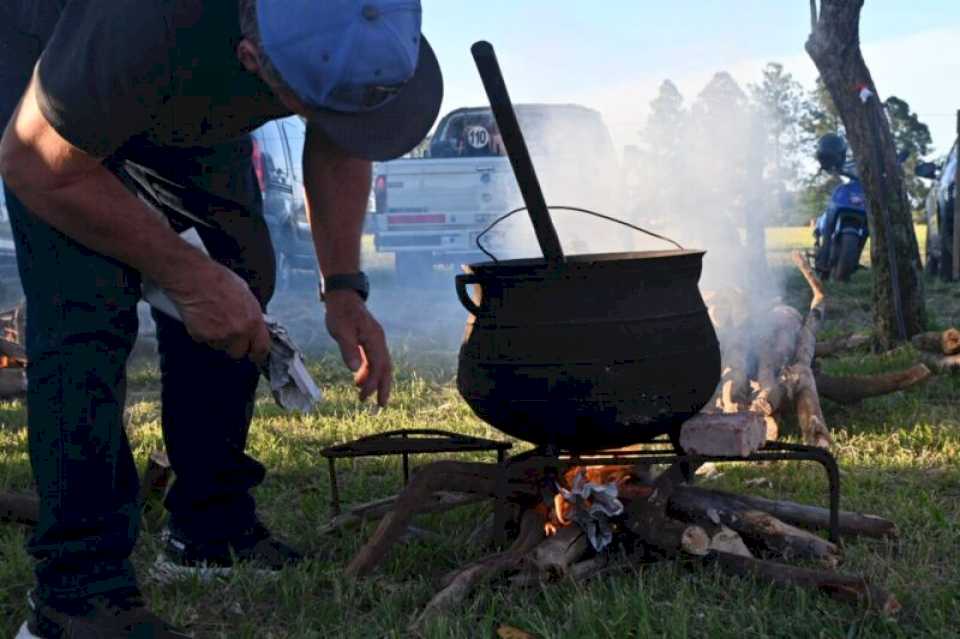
(395, 128)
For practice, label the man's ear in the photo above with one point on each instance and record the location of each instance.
(249, 56)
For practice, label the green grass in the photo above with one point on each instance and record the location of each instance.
(900, 458)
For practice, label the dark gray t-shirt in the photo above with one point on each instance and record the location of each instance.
(153, 82)
(133, 75)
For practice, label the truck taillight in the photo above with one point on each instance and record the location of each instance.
(380, 194)
(258, 167)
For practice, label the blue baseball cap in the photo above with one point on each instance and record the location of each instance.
(371, 79)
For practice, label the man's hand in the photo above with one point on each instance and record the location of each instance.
(362, 344)
(219, 309)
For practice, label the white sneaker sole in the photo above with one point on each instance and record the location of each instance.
(164, 571)
(25, 633)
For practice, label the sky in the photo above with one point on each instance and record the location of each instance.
(613, 54)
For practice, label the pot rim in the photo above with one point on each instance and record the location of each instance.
(585, 259)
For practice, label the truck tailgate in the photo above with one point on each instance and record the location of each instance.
(448, 186)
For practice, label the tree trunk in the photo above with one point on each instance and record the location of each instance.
(956, 214)
(834, 46)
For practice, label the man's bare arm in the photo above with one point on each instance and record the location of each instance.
(74, 193)
(337, 189)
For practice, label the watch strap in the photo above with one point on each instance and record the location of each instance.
(346, 281)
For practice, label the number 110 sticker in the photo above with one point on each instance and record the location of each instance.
(478, 137)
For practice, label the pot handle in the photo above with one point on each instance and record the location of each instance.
(463, 281)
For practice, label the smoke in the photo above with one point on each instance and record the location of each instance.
(700, 177)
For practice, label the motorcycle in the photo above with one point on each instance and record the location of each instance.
(841, 231)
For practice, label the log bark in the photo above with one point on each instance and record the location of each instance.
(466, 477)
(556, 554)
(692, 502)
(941, 364)
(790, 542)
(461, 583)
(441, 501)
(729, 541)
(842, 344)
(855, 388)
(777, 348)
(799, 376)
(849, 588)
(734, 384)
(894, 254)
(944, 343)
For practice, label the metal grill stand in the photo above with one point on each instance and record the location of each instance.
(405, 443)
(554, 462)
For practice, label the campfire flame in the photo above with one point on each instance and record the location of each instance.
(560, 512)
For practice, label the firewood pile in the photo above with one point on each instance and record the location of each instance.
(770, 353)
(13, 358)
(603, 519)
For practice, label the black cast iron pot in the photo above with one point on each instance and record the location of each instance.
(597, 351)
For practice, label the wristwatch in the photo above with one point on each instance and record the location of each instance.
(346, 281)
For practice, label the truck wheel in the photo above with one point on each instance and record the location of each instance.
(284, 272)
(848, 257)
(413, 268)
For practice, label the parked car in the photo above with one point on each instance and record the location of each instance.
(277, 160)
(430, 209)
(939, 213)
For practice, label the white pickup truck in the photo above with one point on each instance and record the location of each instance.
(429, 210)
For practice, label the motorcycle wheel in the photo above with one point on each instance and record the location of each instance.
(848, 257)
(821, 261)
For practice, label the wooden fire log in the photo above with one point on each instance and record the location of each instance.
(777, 348)
(849, 588)
(854, 388)
(841, 344)
(465, 477)
(941, 364)
(944, 343)
(438, 502)
(799, 375)
(556, 554)
(788, 541)
(694, 502)
(461, 583)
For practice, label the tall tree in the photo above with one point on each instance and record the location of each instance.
(821, 115)
(899, 310)
(656, 168)
(782, 105)
(912, 137)
(819, 118)
(666, 121)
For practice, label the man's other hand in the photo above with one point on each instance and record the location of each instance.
(362, 342)
(219, 309)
